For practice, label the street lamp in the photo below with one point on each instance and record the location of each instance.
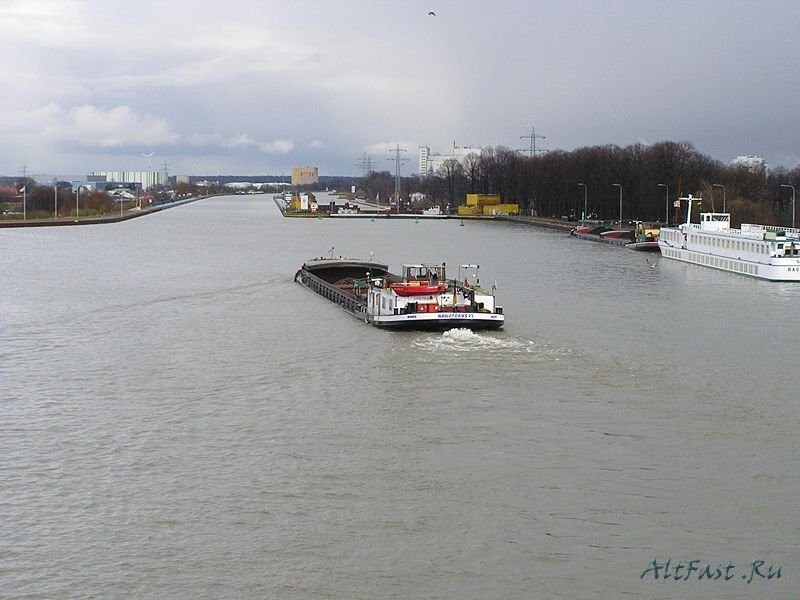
(791, 187)
(713, 185)
(666, 211)
(583, 185)
(619, 185)
(77, 202)
(55, 197)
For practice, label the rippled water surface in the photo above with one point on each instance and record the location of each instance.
(181, 420)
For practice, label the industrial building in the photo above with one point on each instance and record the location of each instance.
(430, 163)
(486, 204)
(305, 175)
(754, 163)
(145, 179)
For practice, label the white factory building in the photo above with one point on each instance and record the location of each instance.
(430, 163)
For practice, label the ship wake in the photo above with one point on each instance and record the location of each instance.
(464, 341)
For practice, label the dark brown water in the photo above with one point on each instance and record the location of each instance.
(181, 420)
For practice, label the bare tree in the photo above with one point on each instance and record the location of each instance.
(452, 173)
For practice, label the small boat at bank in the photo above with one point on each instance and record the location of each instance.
(642, 237)
(420, 298)
(601, 233)
(645, 237)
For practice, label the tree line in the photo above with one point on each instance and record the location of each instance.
(41, 200)
(651, 179)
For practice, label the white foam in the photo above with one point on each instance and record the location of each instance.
(490, 344)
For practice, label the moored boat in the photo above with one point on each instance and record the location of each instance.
(645, 237)
(602, 233)
(762, 251)
(420, 297)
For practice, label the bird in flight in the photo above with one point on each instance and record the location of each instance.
(431, 13)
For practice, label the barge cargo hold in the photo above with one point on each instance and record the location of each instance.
(421, 298)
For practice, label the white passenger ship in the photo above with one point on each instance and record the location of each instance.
(762, 251)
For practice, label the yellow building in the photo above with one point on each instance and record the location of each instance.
(487, 204)
(304, 175)
(482, 199)
(501, 209)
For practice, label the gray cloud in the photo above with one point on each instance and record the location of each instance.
(248, 86)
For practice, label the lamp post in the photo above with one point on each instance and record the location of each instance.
(666, 210)
(791, 187)
(719, 185)
(55, 199)
(77, 202)
(583, 185)
(619, 185)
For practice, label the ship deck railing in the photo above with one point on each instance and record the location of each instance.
(757, 229)
(749, 231)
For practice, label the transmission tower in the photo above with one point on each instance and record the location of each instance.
(365, 164)
(533, 137)
(164, 167)
(397, 162)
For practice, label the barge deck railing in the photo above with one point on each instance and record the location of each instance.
(327, 290)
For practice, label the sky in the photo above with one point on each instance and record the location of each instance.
(256, 87)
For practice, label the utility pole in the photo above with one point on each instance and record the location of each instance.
(397, 162)
(533, 137)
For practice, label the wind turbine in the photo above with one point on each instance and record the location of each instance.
(148, 157)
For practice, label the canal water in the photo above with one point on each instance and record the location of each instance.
(181, 420)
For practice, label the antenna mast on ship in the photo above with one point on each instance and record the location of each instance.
(689, 207)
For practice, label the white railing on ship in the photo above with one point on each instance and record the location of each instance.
(696, 228)
(751, 231)
(749, 228)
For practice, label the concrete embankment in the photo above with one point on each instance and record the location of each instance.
(538, 221)
(559, 224)
(110, 218)
(562, 225)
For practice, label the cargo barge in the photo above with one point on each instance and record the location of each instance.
(643, 237)
(420, 298)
